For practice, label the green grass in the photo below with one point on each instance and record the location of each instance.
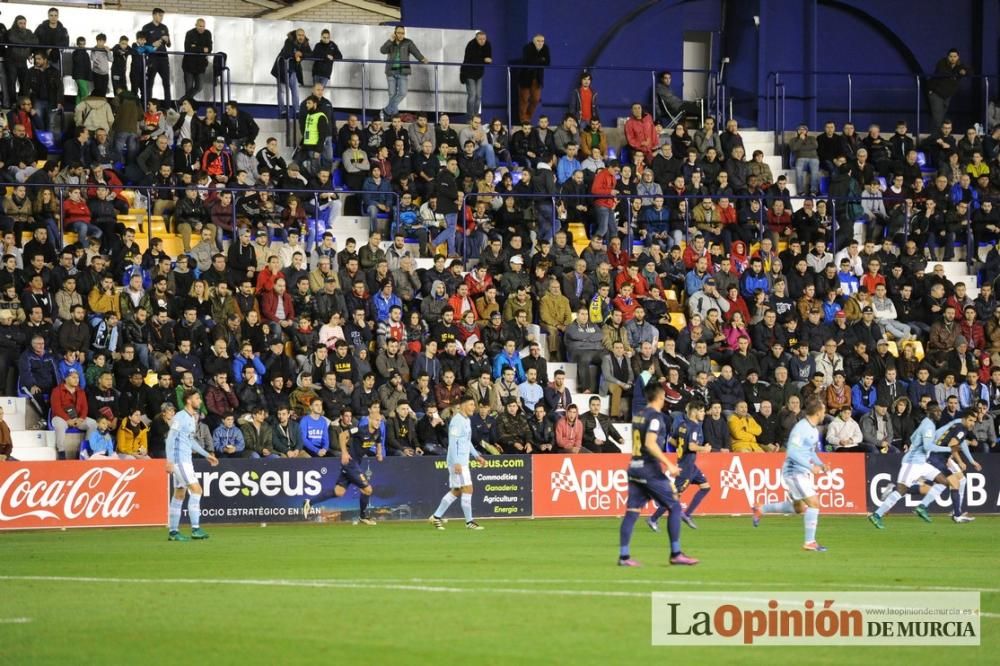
(397, 613)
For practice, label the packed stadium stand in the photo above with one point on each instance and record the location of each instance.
(272, 208)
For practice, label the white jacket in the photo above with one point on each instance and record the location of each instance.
(839, 430)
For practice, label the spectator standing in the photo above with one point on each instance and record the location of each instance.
(803, 148)
(52, 33)
(326, 52)
(19, 42)
(100, 65)
(478, 52)
(287, 68)
(583, 101)
(399, 51)
(197, 41)
(83, 74)
(532, 77)
(157, 36)
(942, 85)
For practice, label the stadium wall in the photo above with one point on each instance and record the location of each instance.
(334, 12)
(253, 44)
(903, 36)
(131, 493)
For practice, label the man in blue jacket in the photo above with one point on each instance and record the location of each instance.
(509, 358)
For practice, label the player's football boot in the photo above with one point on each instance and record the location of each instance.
(961, 519)
(921, 512)
(367, 521)
(473, 525)
(682, 559)
(653, 525)
(757, 515)
(968, 518)
(687, 520)
(177, 536)
(815, 547)
(627, 562)
(876, 520)
(198, 533)
(437, 523)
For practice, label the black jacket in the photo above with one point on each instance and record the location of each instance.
(475, 55)
(532, 56)
(325, 54)
(45, 84)
(195, 42)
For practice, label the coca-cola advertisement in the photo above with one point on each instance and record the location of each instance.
(45, 495)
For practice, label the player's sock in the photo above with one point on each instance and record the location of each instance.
(194, 510)
(888, 503)
(174, 519)
(957, 497)
(674, 529)
(696, 500)
(811, 520)
(625, 532)
(467, 506)
(778, 507)
(363, 504)
(660, 510)
(446, 502)
(932, 494)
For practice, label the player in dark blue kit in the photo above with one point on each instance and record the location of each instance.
(647, 480)
(354, 444)
(689, 440)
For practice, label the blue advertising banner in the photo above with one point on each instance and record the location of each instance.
(403, 489)
(982, 490)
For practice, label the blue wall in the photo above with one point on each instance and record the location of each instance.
(642, 34)
(864, 37)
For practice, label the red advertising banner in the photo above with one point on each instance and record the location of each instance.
(39, 495)
(597, 485)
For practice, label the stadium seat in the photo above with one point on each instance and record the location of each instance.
(678, 320)
(918, 348)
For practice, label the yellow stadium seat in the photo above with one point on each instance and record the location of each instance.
(893, 349)
(918, 348)
(678, 320)
(578, 232)
(670, 295)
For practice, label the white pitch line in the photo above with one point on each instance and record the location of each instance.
(15, 620)
(370, 584)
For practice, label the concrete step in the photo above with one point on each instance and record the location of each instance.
(34, 453)
(14, 412)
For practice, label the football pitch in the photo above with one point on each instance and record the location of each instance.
(520, 592)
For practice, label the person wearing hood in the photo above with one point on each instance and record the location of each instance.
(94, 113)
(19, 40)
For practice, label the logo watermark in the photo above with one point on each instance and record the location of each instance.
(816, 618)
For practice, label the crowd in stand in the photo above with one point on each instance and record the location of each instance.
(727, 296)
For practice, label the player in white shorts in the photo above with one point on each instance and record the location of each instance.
(802, 463)
(460, 449)
(914, 468)
(181, 443)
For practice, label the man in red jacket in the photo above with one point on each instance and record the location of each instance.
(69, 410)
(641, 134)
(276, 308)
(605, 184)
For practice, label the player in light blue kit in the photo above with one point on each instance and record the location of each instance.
(801, 464)
(180, 444)
(951, 437)
(459, 476)
(914, 468)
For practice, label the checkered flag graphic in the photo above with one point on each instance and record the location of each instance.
(563, 482)
(732, 479)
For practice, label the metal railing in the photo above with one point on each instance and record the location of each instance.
(310, 195)
(221, 87)
(777, 83)
(306, 194)
(714, 105)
